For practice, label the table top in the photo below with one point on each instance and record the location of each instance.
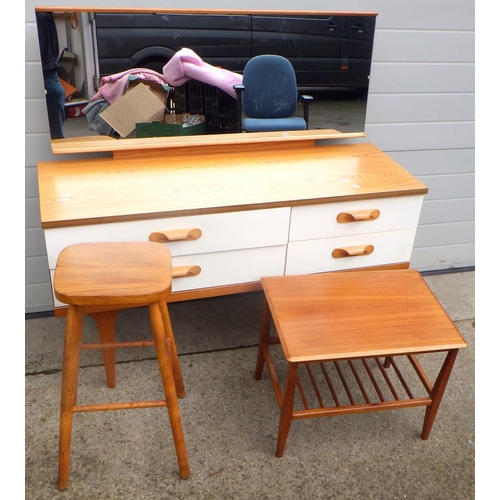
(99, 190)
(358, 314)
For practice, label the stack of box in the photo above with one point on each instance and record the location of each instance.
(142, 109)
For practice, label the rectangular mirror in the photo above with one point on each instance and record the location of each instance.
(330, 53)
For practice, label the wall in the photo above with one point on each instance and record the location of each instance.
(420, 112)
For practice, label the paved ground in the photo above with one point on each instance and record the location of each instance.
(230, 420)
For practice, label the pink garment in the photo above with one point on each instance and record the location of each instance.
(186, 65)
(113, 86)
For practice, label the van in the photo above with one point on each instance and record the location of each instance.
(325, 51)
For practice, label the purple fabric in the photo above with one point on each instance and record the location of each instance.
(186, 65)
(113, 86)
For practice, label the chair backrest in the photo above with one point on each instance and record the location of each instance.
(270, 87)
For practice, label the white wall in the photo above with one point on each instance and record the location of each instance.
(420, 112)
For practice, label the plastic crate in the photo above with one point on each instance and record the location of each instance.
(160, 129)
(219, 108)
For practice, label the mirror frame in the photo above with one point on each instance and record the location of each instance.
(101, 144)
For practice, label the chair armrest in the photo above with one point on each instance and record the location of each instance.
(239, 88)
(306, 99)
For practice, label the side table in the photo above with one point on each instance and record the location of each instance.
(350, 339)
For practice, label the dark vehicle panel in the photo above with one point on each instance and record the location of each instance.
(360, 32)
(325, 51)
(312, 44)
(128, 41)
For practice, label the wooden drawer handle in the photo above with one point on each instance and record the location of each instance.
(184, 271)
(358, 215)
(175, 235)
(339, 253)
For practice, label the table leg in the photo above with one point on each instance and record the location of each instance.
(438, 391)
(265, 329)
(287, 408)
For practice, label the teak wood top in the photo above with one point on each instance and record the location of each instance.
(358, 314)
(106, 274)
(91, 191)
(164, 145)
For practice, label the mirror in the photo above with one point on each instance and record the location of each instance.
(330, 52)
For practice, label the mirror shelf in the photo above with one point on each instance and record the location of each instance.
(96, 144)
(153, 145)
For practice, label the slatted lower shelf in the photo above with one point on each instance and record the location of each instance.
(355, 386)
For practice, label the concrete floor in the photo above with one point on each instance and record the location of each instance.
(230, 420)
(340, 110)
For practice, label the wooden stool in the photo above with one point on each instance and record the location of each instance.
(100, 279)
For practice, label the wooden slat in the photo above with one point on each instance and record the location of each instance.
(105, 345)
(315, 386)
(119, 406)
(302, 394)
(374, 381)
(330, 385)
(387, 379)
(420, 371)
(358, 380)
(362, 408)
(401, 378)
(344, 382)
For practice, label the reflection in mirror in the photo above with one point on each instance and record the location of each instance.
(331, 55)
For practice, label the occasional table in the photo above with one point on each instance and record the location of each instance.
(351, 340)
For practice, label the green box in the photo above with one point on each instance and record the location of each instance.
(175, 128)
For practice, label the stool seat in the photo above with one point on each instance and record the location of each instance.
(100, 279)
(104, 274)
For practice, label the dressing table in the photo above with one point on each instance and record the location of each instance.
(232, 214)
(236, 207)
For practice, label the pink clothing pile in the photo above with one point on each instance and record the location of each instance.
(187, 65)
(114, 86)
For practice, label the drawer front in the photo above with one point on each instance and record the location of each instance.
(228, 268)
(212, 232)
(315, 256)
(356, 217)
(225, 268)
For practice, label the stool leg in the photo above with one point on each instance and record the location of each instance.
(106, 326)
(71, 359)
(167, 376)
(286, 409)
(179, 384)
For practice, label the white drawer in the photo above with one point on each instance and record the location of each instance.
(320, 221)
(225, 268)
(315, 256)
(219, 232)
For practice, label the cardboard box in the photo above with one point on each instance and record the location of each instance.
(172, 126)
(138, 104)
(159, 90)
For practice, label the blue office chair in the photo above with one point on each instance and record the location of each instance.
(268, 96)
